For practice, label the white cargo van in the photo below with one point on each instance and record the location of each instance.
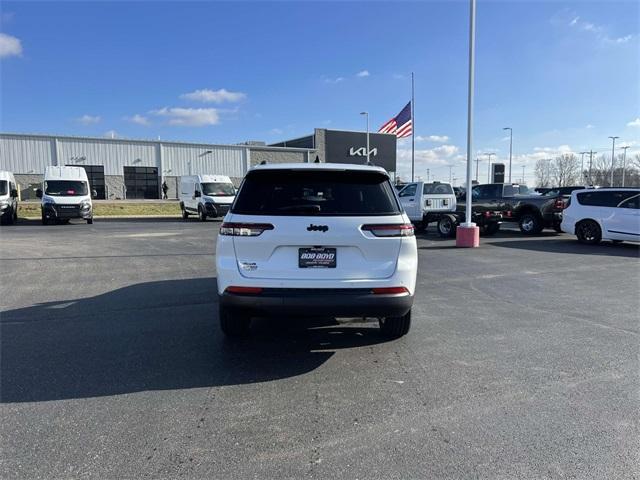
(66, 194)
(206, 195)
(8, 198)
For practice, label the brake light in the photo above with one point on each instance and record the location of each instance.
(244, 229)
(389, 290)
(248, 290)
(559, 204)
(390, 230)
(508, 213)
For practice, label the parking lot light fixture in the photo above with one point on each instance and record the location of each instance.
(510, 148)
(468, 234)
(366, 114)
(489, 167)
(613, 158)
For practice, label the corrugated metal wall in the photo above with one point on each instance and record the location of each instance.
(25, 154)
(112, 154)
(229, 161)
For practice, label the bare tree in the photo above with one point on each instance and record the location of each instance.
(543, 172)
(565, 170)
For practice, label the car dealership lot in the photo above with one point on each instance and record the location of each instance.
(522, 362)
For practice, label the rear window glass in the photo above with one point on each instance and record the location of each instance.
(604, 199)
(438, 189)
(322, 193)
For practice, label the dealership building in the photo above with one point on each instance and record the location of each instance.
(135, 169)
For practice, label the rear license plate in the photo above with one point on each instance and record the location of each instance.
(320, 257)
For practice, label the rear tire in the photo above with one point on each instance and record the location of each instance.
(44, 220)
(201, 215)
(447, 227)
(588, 232)
(489, 229)
(89, 221)
(420, 226)
(185, 215)
(530, 224)
(234, 323)
(396, 327)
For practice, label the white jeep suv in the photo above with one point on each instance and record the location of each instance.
(316, 239)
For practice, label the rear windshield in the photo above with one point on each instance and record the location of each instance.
(438, 189)
(65, 188)
(3, 187)
(215, 189)
(322, 193)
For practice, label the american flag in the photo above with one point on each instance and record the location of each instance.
(401, 124)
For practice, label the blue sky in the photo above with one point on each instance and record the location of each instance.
(563, 75)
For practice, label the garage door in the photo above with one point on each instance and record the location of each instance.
(141, 182)
(95, 173)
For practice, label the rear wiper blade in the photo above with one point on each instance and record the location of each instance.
(301, 208)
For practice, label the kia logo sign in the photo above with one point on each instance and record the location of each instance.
(362, 152)
(317, 228)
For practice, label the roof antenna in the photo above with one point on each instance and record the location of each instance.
(317, 160)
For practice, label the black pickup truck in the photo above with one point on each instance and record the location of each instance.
(531, 212)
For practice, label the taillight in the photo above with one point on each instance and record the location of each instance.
(244, 229)
(559, 205)
(246, 290)
(389, 290)
(390, 230)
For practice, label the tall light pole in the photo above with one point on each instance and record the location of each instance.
(450, 174)
(477, 162)
(489, 167)
(582, 175)
(624, 162)
(510, 148)
(613, 158)
(591, 152)
(467, 234)
(523, 174)
(366, 114)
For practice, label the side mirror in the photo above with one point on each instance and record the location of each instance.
(197, 194)
(94, 193)
(14, 193)
(39, 193)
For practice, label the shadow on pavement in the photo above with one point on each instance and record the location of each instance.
(572, 246)
(154, 336)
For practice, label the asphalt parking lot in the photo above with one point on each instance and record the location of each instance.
(522, 363)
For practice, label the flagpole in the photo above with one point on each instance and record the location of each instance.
(413, 133)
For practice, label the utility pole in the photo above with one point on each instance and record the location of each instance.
(477, 162)
(523, 174)
(582, 175)
(624, 162)
(427, 175)
(591, 152)
(510, 148)
(489, 168)
(450, 173)
(367, 115)
(613, 158)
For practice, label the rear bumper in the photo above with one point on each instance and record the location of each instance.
(348, 302)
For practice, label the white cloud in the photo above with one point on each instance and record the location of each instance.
(10, 46)
(111, 134)
(363, 73)
(567, 17)
(188, 117)
(88, 119)
(276, 131)
(634, 123)
(332, 80)
(138, 119)
(432, 138)
(589, 126)
(214, 96)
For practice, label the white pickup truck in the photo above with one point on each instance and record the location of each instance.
(426, 202)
